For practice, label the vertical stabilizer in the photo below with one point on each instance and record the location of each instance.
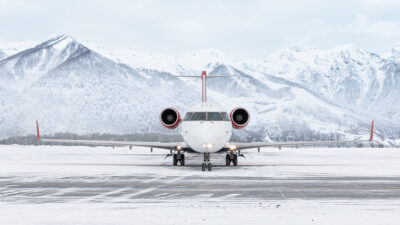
(371, 136)
(204, 86)
(37, 131)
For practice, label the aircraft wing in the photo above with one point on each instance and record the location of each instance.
(162, 145)
(243, 145)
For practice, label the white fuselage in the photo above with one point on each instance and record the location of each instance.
(207, 135)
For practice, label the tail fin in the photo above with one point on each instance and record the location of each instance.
(204, 77)
(371, 136)
(37, 131)
(204, 86)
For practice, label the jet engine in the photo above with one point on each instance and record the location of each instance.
(170, 118)
(240, 118)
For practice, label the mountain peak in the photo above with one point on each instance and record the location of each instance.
(350, 48)
(396, 48)
(209, 53)
(59, 41)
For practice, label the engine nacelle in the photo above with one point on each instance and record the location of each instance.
(240, 118)
(170, 118)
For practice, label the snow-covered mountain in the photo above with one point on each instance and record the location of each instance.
(292, 94)
(8, 49)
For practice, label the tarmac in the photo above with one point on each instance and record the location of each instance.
(59, 177)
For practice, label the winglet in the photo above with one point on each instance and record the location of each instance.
(371, 136)
(37, 131)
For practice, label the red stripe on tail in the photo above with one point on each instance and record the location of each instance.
(37, 131)
(371, 136)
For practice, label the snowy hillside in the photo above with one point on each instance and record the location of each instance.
(292, 94)
(8, 49)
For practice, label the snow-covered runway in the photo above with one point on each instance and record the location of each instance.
(108, 186)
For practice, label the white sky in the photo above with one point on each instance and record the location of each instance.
(239, 28)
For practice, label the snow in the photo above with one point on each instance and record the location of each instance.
(54, 160)
(298, 212)
(65, 84)
(28, 164)
(9, 49)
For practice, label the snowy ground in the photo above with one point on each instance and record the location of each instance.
(83, 185)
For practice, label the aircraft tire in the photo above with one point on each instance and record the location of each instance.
(175, 160)
(228, 160)
(235, 160)
(182, 160)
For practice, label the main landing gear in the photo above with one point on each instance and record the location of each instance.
(231, 158)
(206, 164)
(179, 157)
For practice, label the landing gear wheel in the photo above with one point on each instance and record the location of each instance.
(206, 164)
(203, 167)
(182, 160)
(235, 160)
(175, 160)
(227, 160)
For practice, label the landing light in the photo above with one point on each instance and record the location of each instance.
(232, 147)
(178, 147)
(209, 145)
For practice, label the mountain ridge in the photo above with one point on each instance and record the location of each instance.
(72, 87)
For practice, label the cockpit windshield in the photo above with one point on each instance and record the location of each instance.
(225, 116)
(209, 116)
(188, 116)
(214, 116)
(199, 116)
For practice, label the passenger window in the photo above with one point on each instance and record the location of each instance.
(225, 116)
(199, 116)
(187, 116)
(214, 116)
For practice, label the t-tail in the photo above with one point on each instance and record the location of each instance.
(204, 77)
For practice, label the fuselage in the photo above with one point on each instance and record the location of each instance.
(206, 128)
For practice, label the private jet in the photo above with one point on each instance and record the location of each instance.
(206, 129)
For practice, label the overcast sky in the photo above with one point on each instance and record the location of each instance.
(241, 29)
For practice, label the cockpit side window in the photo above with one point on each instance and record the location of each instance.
(214, 116)
(225, 116)
(199, 116)
(188, 116)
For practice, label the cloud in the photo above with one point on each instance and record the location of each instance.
(241, 28)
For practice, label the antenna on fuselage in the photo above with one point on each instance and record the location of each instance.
(204, 82)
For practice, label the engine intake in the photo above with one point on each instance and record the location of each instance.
(240, 118)
(170, 118)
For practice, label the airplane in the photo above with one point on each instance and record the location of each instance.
(206, 129)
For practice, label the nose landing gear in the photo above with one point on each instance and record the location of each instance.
(206, 164)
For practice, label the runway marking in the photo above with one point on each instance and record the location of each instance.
(230, 195)
(65, 191)
(173, 195)
(283, 196)
(175, 179)
(160, 194)
(101, 195)
(23, 192)
(151, 180)
(203, 195)
(127, 197)
(11, 193)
